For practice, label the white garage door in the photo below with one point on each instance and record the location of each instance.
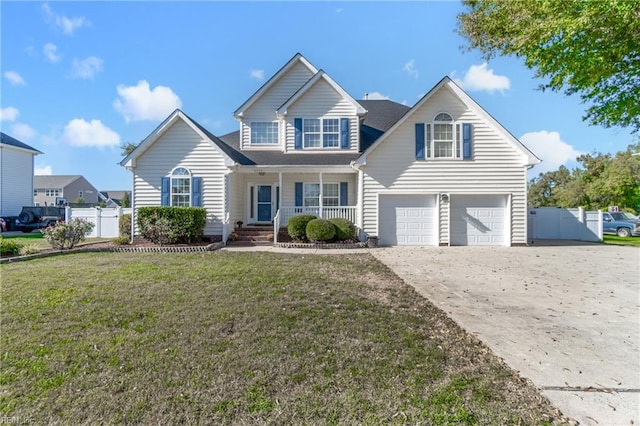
(479, 220)
(407, 220)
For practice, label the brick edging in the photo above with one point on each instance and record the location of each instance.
(322, 246)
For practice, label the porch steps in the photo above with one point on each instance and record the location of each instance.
(249, 236)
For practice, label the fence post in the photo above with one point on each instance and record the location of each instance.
(67, 214)
(98, 216)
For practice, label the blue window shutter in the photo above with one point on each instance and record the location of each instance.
(297, 123)
(344, 133)
(165, 190)
(344, 193)
(298, 194)
(466, 141)
(419, 141)
(196, 192)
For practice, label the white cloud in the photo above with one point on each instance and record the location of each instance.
(410, 68)
(50, 52)
(137, 103)
(15, 78)
(375, 96)
(257, 74)
(86, 68)
(550, 148)
(9, 114)
(67, 25)
(79, 132)
(22, 132)
(42, 170)
(479, 77)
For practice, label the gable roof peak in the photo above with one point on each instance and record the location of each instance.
(297, 58)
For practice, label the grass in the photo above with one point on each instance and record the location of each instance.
(36, 240)
(241, 338)
(622, 241)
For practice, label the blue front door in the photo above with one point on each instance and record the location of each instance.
(264, 203)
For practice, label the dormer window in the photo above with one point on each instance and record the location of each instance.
(264, 133)
(321, 133)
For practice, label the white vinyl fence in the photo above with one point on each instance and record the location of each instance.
(554, 223)
(105, 219)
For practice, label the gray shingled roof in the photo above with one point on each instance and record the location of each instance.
(8, 140)
(53, 181)
(381, 115)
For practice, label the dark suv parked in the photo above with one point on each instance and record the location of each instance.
(31, 218)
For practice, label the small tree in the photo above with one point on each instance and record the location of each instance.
(66, 235)
(78, 200)
(125, 202)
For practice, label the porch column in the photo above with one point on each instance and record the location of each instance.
(320, 200)
(280, 191)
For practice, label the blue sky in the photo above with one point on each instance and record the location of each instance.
(78, 79)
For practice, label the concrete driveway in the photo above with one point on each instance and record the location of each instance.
(566, 317)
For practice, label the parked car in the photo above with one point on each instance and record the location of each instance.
(37, 217)
(3, 225)
(621, 224)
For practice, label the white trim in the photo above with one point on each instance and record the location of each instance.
(239, 113)
(309, 84)
(530, 158)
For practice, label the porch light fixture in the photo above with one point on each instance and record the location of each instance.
(260, 172)
(444, 197)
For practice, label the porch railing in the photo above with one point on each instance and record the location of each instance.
(344, 212)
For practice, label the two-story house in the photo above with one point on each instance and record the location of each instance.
(442, 172)
(51, 190)
(16, 175)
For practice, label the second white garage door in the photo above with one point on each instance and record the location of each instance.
(479, 220)
(407, 220)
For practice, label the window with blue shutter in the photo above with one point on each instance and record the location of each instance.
(165, 189)
(419, 141)
(467, 136)
(344, 193)
(344, 133)
(297, 124)
(196, 192)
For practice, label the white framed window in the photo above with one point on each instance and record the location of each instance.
(52, 192)
(35, 192)
(330, 194)
(80, 194)
(443, 138)
(321, 133)
(264, 133)
(180, 187)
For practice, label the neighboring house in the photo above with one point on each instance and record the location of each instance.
(114, 198)
(442, 172)
(16, 175)
(52, 190)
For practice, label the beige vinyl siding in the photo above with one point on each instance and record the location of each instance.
(320, 101)
(265, 108)
(16, 180)
(242, 181)
(181, 146)
(497, 167)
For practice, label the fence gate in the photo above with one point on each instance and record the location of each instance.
(106, 220)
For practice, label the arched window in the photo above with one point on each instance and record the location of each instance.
(443, 136)
(180, 187)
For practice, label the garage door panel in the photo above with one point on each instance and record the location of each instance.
(478, 220)
(407, 220)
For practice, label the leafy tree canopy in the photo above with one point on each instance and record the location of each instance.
(127, 148)
(585, 47)
(603, 180)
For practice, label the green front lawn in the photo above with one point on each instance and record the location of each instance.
(622, 241)
(241, 338)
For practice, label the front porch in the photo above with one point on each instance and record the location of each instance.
(258, 196)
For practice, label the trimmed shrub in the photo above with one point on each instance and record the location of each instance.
(297, 226)
(158, 231)
(345, 229)
(9, 247)
(185, 224)
(320, 230)
(124, 225)
(64, 235)
(122, 240)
